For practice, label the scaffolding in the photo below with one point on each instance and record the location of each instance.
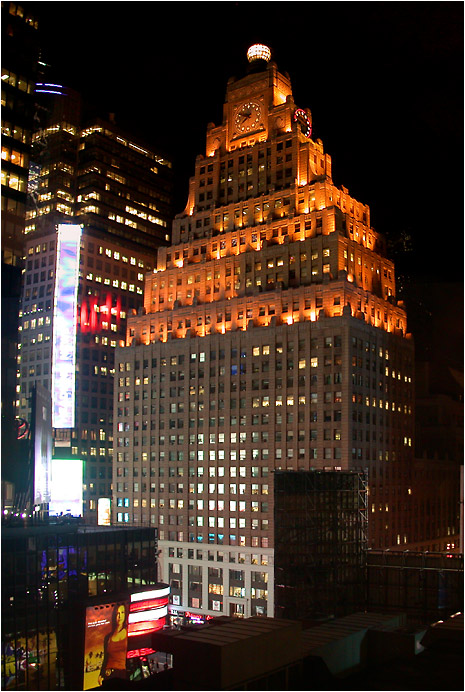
(320, 543)
(426, 586)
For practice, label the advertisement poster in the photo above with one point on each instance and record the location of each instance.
(29, 663)
(106, 643)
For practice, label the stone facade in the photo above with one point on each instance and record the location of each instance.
(271, 339)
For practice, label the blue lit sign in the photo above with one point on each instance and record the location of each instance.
(65, 325)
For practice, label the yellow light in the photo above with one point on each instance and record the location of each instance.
(290, 319)
(258, 52)
(312, 316)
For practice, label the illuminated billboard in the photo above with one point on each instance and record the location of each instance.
(65, 325)
(148, 610)
(106, 643)
(66, 487)
(42, 442)
(29, 660)
(104, 511)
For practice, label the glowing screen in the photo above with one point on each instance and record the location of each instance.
(64, 325)
(104, 511)
(66, 487)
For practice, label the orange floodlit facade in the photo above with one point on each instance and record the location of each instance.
(271, 338)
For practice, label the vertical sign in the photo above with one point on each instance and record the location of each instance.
(42, 445)
(65, 325)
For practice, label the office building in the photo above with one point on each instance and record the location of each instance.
(20, 53)
(271, 340)
(20, 50)
(101, 207)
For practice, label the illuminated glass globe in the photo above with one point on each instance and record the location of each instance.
(258, 52)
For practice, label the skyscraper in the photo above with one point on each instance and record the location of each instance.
(271, 339)
(101, 208)
(20, 52)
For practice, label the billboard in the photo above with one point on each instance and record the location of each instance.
(66, 487)
(29, 660)
(105, 643)
(42, 442)
(104, 511)
(65, 325)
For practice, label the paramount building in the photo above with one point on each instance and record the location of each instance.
(270, 339)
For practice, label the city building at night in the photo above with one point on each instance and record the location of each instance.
(53, 578)
(20, 53)
(100, 208)
(271, 339)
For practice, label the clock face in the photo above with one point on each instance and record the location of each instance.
(302, 118)
(248, 117)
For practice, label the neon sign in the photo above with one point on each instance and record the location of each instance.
(197, 618)
(141, 652)
(64, 326)
(148, 611)
(93, 315)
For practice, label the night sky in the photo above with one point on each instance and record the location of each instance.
(384, 82)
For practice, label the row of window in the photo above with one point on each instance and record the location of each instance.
(213, 555)
(211, 538)
(21, 83)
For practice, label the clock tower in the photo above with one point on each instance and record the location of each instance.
(271, 340)
(257, 106)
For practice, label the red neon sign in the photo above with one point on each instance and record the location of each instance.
(148, 604)
(93, 314)
(143, 615)
(141, 652)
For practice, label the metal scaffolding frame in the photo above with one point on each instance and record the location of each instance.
(320, 525)
(427, 586)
